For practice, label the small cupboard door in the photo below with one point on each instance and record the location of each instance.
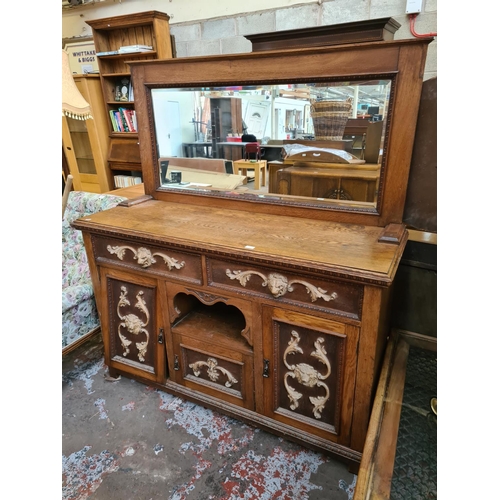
(132, 329)
(309, 372)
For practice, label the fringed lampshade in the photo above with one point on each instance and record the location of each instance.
(73, 103)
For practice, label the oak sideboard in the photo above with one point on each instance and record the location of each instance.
(273, 309)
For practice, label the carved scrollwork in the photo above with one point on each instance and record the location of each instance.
(133, 324)
(208, 298)
(306, 374)
(145, 257)
(211, 364)
(279, 285)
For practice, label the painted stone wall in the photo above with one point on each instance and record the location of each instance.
(208, 28)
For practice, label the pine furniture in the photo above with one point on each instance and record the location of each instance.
(272, 309)
(86, 142)
(258, 166)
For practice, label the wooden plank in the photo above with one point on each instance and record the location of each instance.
(129, 192)
(388, 435)
(211, 179)
(365, 474)
(379, 454)
(77, 343)
(209, 164)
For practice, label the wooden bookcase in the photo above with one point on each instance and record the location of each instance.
(86, 142)
(146, 28)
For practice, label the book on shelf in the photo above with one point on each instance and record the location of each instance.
(134, 120)
(119, 122)
(122, 181)
(126, 114)
(113, 120)
(124, 120)
(107, 53)
(127, 49)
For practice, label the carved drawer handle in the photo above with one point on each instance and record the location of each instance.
(145, 257)
(279, 285)
(212, 371)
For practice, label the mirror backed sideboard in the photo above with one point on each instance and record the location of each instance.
(270, 305)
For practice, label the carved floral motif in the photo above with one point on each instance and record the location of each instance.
(211, 364)
(279, 285)
(145, 257)
(306, 374)
(133, 324)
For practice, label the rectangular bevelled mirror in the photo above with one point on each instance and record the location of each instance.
(322, 133)
(320, 141)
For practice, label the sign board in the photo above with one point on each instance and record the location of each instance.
(82, 58)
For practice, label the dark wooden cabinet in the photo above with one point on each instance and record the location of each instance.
(271, 310)
(130, 311)
(228, 113)
(310, 365)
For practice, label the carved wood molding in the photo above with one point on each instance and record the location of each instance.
(306, 375)
(354, 275)
(133, 324)
(211, 364)
(207, 298)
(279, 285)
(145, 257)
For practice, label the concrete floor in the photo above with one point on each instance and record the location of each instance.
(123, 440)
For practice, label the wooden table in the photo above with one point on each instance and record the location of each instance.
(257, 166)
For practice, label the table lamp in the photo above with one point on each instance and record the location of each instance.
(73, 103)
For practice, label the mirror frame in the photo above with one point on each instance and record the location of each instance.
(400, 61)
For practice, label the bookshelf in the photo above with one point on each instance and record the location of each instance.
(147, 37)
(86, 142)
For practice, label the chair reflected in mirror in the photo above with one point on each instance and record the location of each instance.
(252, 151)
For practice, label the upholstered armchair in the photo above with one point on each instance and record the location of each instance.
(80, 319)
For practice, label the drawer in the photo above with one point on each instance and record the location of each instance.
(342, 298)
(148, 258)
(226, 374)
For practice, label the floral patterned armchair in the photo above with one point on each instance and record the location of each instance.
(79, 312)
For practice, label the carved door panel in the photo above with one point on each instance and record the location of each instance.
(225, 374)
(309, 372)
(132, 330)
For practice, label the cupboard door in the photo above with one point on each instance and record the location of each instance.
(309, 372)
(132, 331)
(225, 374)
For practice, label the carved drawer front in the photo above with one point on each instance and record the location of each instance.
(149, 258)
(225, 374)
(287, 287)
(309, 369)
(132, 332)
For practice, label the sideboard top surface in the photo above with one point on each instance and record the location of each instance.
(345, 249)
